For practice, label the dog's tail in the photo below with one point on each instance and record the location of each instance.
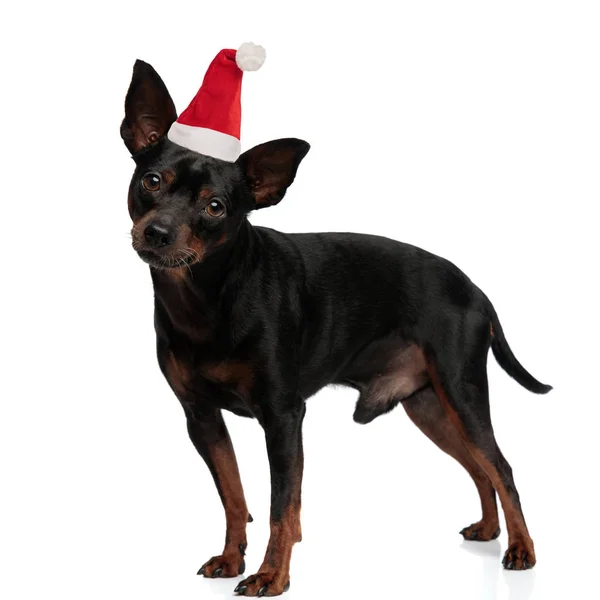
(507, 360)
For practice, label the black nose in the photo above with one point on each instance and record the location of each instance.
(158, 235)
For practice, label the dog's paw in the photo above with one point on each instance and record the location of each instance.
(519, 556)
(266, 583)
(481, 532)
(229, 564)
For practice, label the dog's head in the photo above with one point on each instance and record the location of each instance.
(186, 206)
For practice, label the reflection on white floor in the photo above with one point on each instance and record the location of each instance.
(520, 584)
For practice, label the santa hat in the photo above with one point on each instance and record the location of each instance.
(210, 125)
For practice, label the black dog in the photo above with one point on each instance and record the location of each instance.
(255, 321)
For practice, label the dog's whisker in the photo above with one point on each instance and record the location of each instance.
(189, 254)
(194, 253)
(184, 261)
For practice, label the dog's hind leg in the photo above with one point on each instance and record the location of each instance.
(457, 362)
(427, 413)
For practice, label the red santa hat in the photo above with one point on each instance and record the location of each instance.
(210, 125)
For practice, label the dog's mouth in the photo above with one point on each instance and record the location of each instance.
(174, 259)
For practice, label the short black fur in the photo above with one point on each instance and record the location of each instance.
(256, 321)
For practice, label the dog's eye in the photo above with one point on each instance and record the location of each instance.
(215, 208)
(151, 182)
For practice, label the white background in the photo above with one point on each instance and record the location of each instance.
(471, 129)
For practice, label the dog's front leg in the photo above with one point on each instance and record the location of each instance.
(209, 435)
(283, 431)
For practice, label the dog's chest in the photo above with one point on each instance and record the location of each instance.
(225, 384)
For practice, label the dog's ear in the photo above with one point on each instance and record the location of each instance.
(149, 110)
(270, 168)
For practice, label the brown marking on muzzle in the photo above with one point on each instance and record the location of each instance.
(179, 250)
(197, 245)
(137, 231)
(186, 247)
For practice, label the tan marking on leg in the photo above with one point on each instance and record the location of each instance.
(237, 374)
(236, 511)
(427, 413)
(177, 374)
(518, 535)
(275, 569)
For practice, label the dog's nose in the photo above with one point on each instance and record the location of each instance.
(158, 235)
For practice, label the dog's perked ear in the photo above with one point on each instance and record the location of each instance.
(270, 168)
(149, 109)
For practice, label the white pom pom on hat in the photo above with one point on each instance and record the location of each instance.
(250, 57)
(211, 123)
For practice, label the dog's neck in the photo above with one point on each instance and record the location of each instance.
(194, 301)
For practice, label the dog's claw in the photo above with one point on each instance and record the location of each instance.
(261, 584)
(519, 556)
(478, 532)
(242, 550)
(202, 571)
(217, 573)
(250, 519)
(468, 536)
(242, 568)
